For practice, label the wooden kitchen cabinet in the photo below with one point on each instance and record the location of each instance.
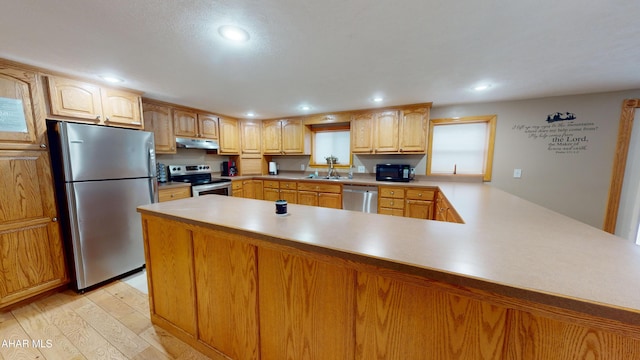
(320, 194)
(185, 123)
(31, 257)
(391, 200)
(386, 127)
(237, 188)
(229, 138)
(444, 211)
(283, 137)
(174, 193)
(208, 126)
(362, 133)
(271, 190)
(289, 192)
(413, 130)
(250, 138)
(76, 100)
(20, 92)
(159, 120)
(252, 189)
(419, 203)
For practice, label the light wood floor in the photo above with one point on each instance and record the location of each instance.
(111, 322)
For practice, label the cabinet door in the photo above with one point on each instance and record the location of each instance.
(386, 131)
(174, 194)
(76, 99)
(290, 195)
(250, 134)
(259, 190)
(229, 139)
(20, 97)
(413, 130)
(270, 194)
(307, 198)
(185, 123)
(208, 126)
(292, 136)
(32, 258)
(121, 108)
(249, 189)
(158, 119)
(361, 133)
(330, 200)
(419, 209)
(271, 137)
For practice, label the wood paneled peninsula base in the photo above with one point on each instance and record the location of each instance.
(236, 281)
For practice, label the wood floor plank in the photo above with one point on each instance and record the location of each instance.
(169, 345)
(76, 329)
(39, 328)
(10, 334)
(111, 322)
(117, 334)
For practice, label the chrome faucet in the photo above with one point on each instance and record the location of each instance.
(332, 172)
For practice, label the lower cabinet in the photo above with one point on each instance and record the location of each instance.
(31, 250)
(391, 200)
(174, 193)
(237, 188)
(320, 194)
(419, 203)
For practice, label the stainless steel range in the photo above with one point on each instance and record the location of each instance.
(202, 183)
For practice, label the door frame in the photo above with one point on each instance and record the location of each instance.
(619, 163)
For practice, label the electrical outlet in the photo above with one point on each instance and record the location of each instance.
(517, 173)
(361, 169)
(302, 167)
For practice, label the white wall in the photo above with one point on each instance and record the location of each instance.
(575, 184)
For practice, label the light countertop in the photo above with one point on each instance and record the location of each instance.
(507, 245)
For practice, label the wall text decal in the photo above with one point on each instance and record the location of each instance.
(563, 136)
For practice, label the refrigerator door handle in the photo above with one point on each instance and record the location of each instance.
(152, 162)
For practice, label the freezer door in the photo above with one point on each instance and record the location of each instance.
(93, 152)
(107, 235)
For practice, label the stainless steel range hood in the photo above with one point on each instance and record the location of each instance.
(189, 143)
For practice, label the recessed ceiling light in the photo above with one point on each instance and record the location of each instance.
(251, 114)
(482, 87)
(378, 99)
(111, 79)
(233, 33)
(305, 107)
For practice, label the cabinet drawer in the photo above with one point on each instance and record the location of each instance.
(236, 185)
(391, 192)
(421, 194)
(392, 203)
(320, 187)
(174, 193)
(390, 211)
(271, 184)
(288, 185)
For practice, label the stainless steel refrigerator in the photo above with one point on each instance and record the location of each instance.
(102, 175)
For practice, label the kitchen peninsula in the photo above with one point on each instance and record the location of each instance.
(516, 281)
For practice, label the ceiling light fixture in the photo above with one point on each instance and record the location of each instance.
(482, 87)
(251, 114)
(112, 79)
(378, 99)
(233, 33)
(305, 107)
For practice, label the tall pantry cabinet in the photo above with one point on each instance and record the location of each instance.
(31, 250)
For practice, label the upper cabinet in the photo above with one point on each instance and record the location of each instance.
(229, 139)
(22, 116)
(191, 124)
(392, 131)
(283, 137)
(413, 130)
(250, 138)
(81, 101)
(158, 119)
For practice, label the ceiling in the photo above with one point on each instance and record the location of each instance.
(332, 54)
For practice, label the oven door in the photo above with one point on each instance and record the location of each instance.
(223, 188)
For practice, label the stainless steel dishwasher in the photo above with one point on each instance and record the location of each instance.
(362, 198)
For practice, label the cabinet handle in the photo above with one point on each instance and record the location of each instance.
(107, 119)
(97, 117)
(54, 219)
(392, 193)
(391, 203)
(420, 195)
(43, 146)
(172, 195)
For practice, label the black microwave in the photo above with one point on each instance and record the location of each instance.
(393, 172)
